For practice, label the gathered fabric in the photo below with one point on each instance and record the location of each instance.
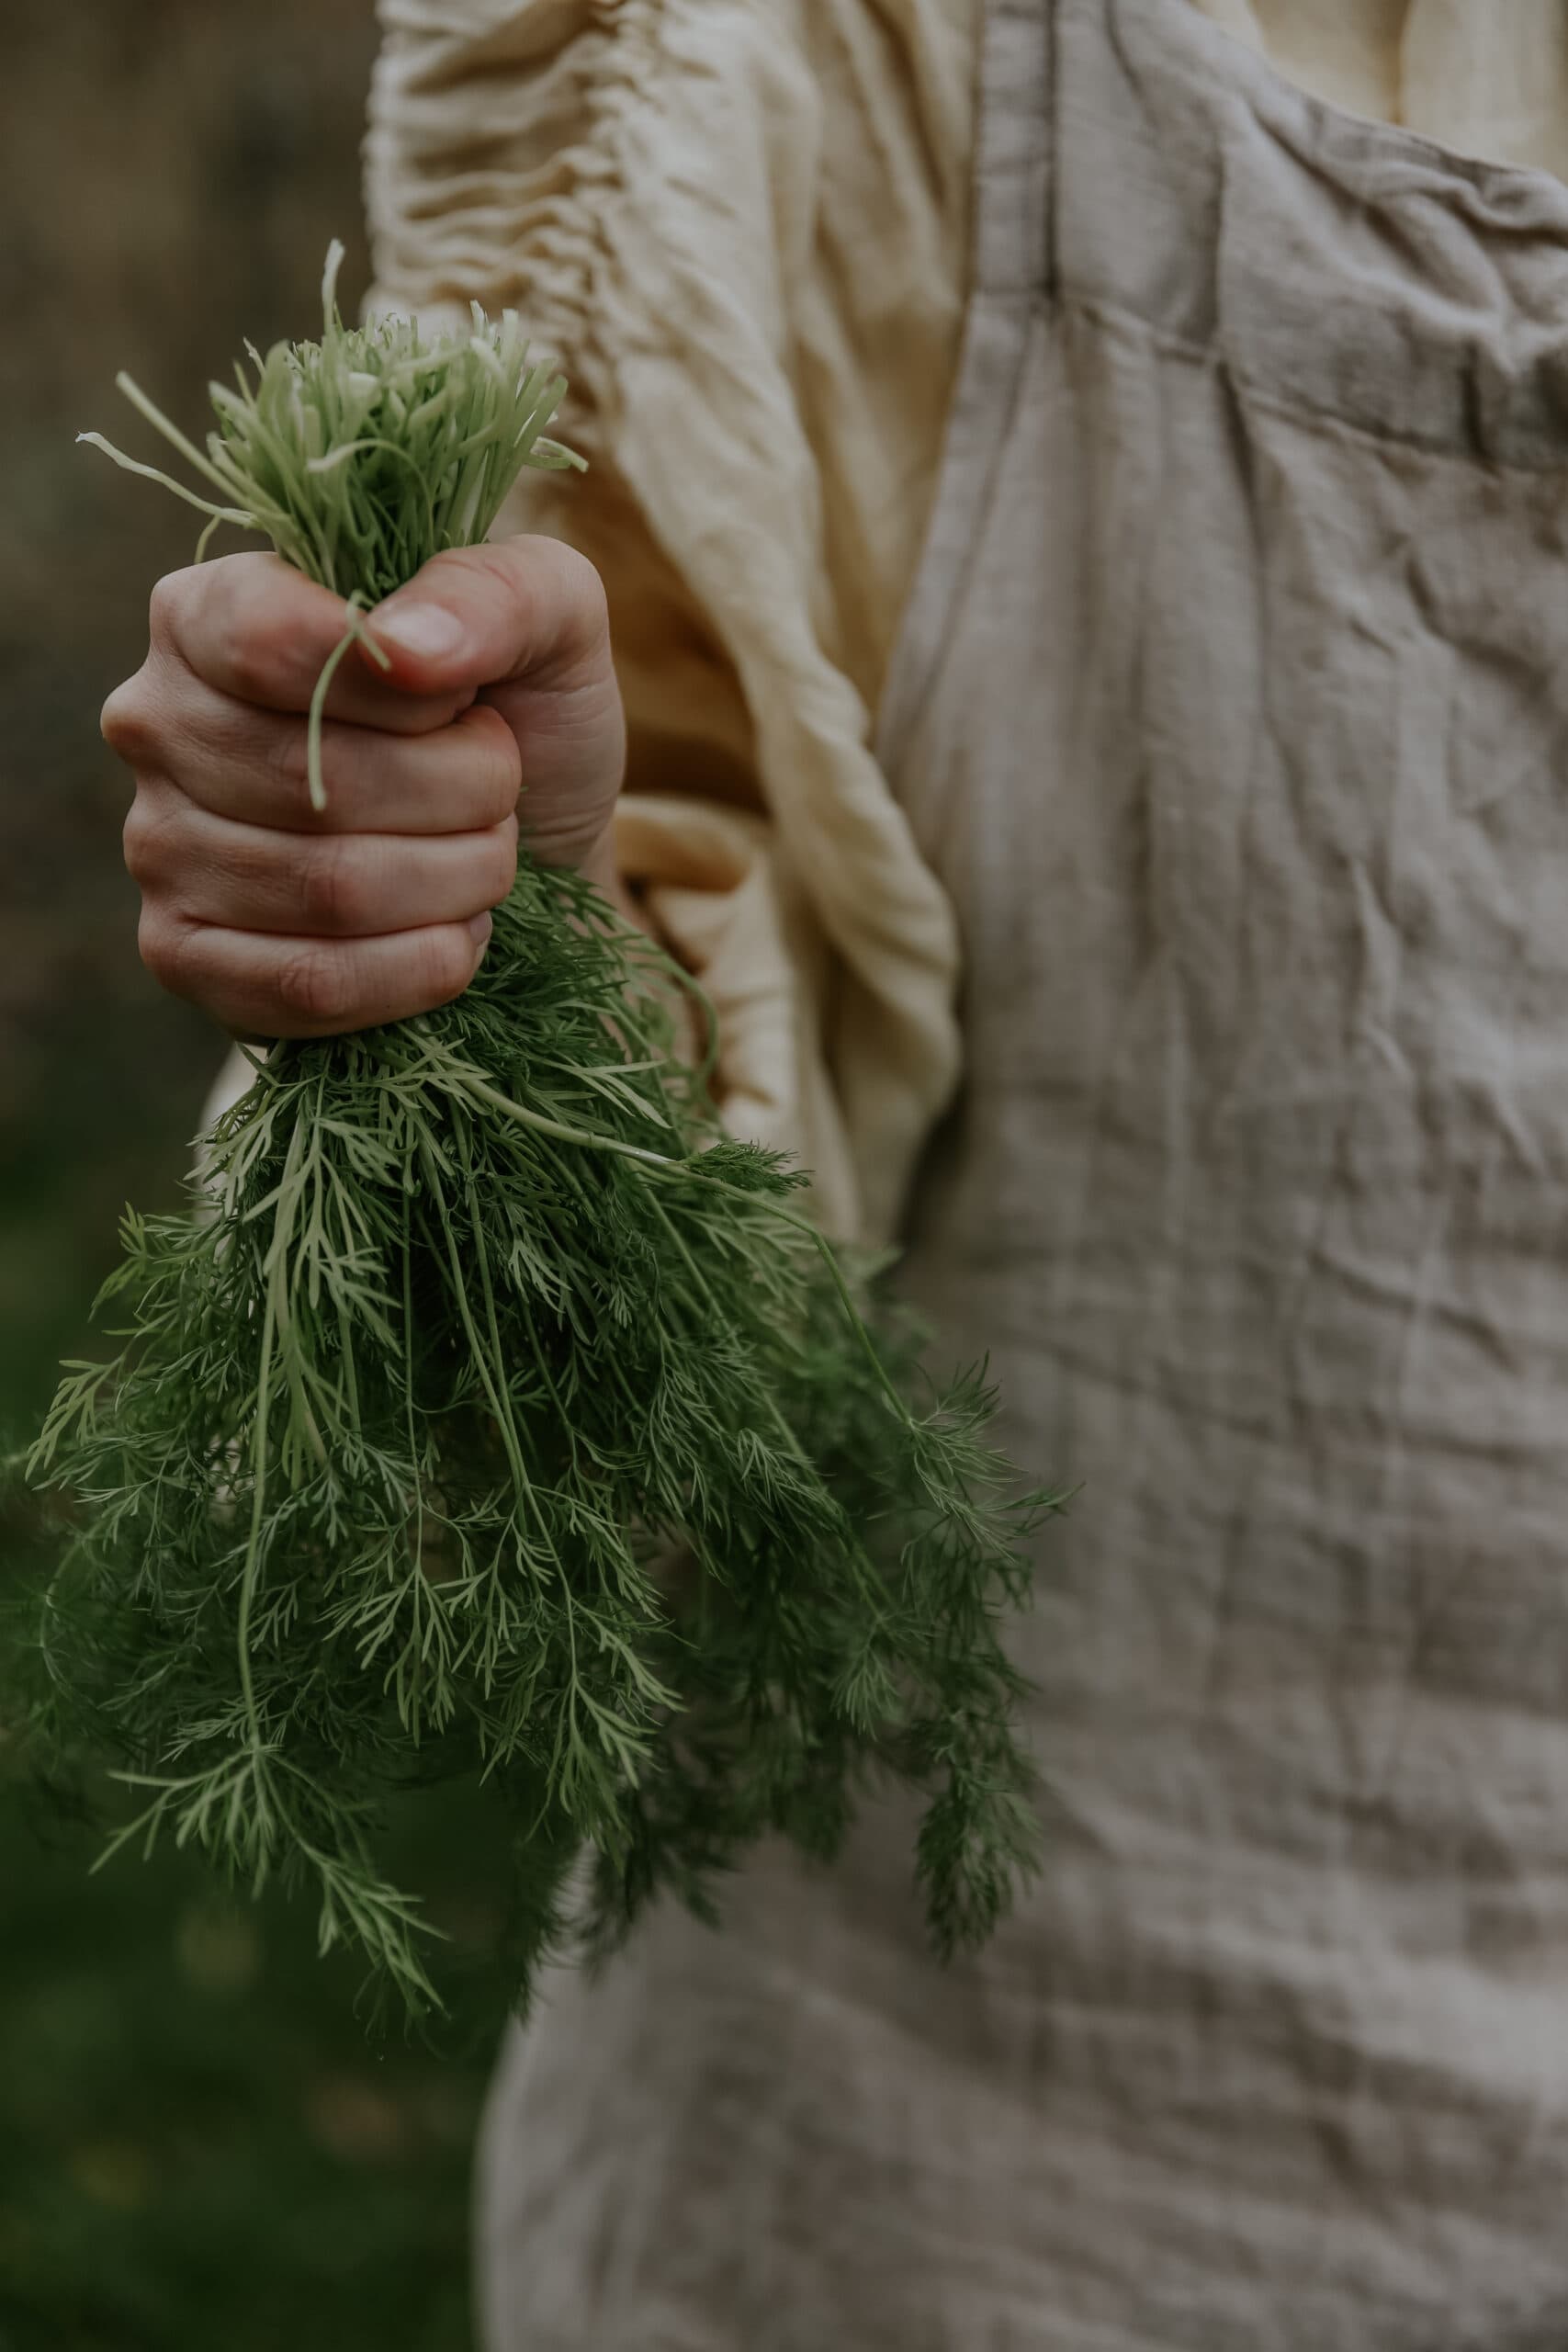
(743, 229)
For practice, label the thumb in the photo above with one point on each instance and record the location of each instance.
(521, 624)
(525, 607)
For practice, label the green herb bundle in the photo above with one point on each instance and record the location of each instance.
(492, 1414)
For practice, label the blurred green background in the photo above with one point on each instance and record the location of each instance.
(201, 2146)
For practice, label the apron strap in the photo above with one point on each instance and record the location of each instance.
(1013, 167)
(1010, 278)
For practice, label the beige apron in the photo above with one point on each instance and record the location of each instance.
(1232, 707)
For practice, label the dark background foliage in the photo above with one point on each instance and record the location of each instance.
(200, 2146)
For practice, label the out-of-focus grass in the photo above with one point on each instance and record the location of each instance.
(199, 2147)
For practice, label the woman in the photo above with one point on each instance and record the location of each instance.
(1206, 682)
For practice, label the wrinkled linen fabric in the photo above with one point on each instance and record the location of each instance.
(1230, 707)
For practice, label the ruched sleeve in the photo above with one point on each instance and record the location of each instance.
(740, 224)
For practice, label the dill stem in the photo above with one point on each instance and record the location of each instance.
(354, 633)
(407, 1370)
(558, 1131)
(276, 1272)
(251, 1575)
(585, 1138)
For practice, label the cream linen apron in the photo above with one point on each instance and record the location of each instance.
(1232, 707)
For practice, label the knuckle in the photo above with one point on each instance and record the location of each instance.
(428, 714)
(164, 949)
(124, 722)
(145, 841)
(584, 590)
(313, 984)
(447, 965)
(493, 762)
(287, 765)
(248, 656)
(558, 596)
(167, 606)
(257, 636)
(503, 862)
(334, 890)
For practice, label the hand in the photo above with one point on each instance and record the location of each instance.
(284, 922)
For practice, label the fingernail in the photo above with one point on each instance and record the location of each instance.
(429, 631)
(479, 929)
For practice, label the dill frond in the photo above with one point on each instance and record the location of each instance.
(491, 1414)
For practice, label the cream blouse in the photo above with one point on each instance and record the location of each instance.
(742, 226)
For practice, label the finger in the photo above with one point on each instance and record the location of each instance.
(203, 868)
(262, 987)
(252, 627)
(250, 766)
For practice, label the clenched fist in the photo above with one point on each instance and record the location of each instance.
(284, 922)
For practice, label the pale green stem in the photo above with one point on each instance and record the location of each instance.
(356, 634)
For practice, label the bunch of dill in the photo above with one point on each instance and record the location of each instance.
(492, 1413)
